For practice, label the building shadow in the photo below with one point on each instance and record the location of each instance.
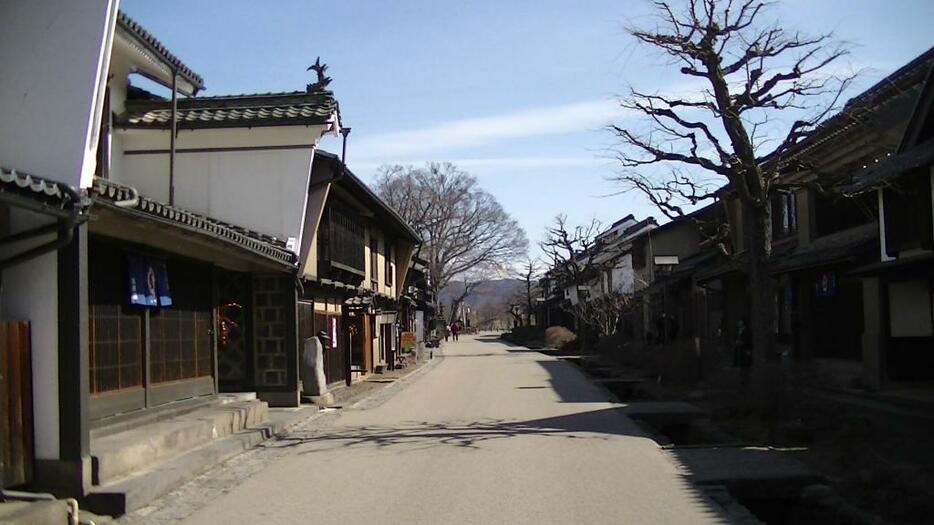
(570, 383)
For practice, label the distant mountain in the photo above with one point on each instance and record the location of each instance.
(492, 292)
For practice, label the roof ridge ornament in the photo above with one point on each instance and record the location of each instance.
(319, 69)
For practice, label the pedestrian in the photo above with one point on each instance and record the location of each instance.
(447, 332)
(456, 329)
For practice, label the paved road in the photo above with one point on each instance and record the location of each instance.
(487, 436)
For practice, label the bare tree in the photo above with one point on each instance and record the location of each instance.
(603, 313)
(461, 297)
(465, 229)
(529, 275)
(762, 90)
(574, 254)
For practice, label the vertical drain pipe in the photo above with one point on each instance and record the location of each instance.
(172, 138)
(344, 132)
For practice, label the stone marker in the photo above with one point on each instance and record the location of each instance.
(314, 384)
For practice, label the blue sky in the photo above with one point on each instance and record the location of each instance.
(517, 92)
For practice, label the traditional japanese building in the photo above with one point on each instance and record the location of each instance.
(898, 287)
(178, 222)
(353, 271)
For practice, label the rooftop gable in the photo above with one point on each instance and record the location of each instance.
(131, 28)
(390, 218)
(921, 126)
(854, 113)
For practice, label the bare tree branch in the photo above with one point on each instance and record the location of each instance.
(464, 228)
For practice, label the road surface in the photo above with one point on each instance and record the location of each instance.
(491, 434)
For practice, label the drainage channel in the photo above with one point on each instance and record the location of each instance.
(753, 484)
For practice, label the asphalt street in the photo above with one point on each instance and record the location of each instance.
(491, 434)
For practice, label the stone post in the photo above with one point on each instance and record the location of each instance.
(314, 383)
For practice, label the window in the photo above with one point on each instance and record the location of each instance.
(180, 345)
(908, 214)
(116, 347)
(179, 337)
(387, 263)
(784, 215)
(374, 263)
(834, 213)
(115, 327)
(343, 243)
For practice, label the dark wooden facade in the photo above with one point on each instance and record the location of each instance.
(16, 434)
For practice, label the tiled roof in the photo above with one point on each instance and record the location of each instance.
(916, 149)
(364, 300)
(266, 109)
(17, 181)
(131, 26)
(851, 117)
(363, 192)
(264, 245)
(829, 249)
(882, 173)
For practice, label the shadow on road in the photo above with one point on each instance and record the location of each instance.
(409, 437)
(512, 347)
(570, 384)
(413, 436)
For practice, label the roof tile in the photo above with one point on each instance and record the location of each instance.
(295, 108)
(133, 27)
(264, 245)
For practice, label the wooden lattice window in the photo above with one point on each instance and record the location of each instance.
(116, 342)
(346, 239)
(115, 330)
(180, 345)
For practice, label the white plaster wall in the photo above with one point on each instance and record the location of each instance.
(30, 293)
(314, 209)
(623, 275)
(53, 58)
(264, 190)
(403, 253)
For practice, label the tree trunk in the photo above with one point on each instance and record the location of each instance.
(765, 370)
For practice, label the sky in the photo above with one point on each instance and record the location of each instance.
(518, 93)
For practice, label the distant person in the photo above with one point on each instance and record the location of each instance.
(456, 329)
(447, 332)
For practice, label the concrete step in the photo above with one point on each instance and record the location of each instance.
(34, 512)
(748, 472)
(121, 454)
(134, 492)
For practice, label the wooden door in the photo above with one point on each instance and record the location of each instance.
(16, 437)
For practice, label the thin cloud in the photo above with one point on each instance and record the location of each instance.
(475, 132)
(494, 163)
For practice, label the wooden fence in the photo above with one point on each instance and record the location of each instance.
(16, 437)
